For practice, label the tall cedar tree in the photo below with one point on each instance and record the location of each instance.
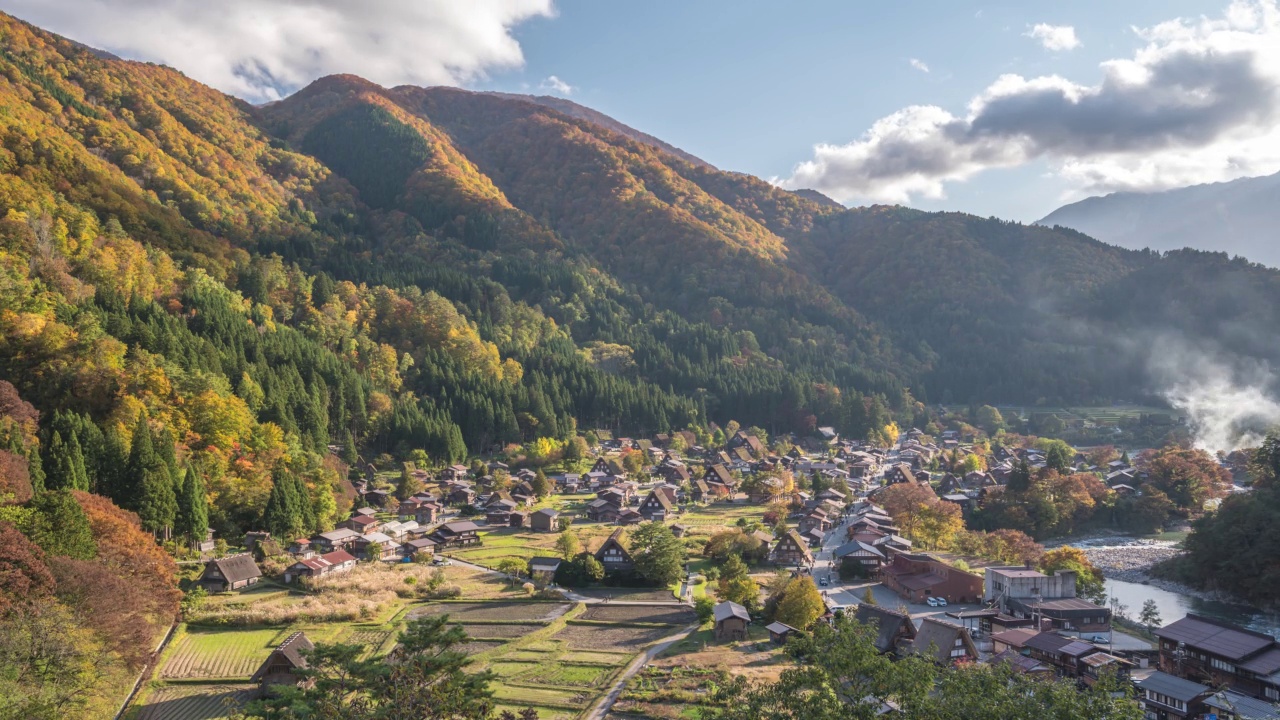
(66, 464)
(193, 507)
(409, 485)
(152, 495)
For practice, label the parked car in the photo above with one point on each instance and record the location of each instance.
(942, 602)
(442, 561)
(931, 601)
(824, 582)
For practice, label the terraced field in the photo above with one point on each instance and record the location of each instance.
(496, 631)
(194, 702)
(610, 639)
(673, 615)
(503, 612)
(218, 654)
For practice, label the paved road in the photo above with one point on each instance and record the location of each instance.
(606, 703)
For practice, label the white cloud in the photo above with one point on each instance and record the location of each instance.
(556, 85)
(263, 49)
(1198, 102)
(1055, 37)
(919, 65)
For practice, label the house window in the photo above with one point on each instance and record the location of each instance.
(1222, 665)
(958, 652)
(1272, 694)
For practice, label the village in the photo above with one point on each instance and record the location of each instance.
(544, 573)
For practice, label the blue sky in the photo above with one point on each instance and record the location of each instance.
(754, 86)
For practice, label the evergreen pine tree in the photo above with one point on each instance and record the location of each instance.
(60, 472)
(157, 506)
(1020, 478)
(306, 512)
(75, 461)
(35, 470)
(193, 507)
(163, 443)
(142, 458)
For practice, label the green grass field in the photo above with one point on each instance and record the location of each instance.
(197, 653)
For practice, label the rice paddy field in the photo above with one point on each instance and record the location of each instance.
(556, 657)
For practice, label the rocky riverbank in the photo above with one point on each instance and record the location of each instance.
(1130, 560)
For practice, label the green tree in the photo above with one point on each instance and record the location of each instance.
(283, 515)
(60, 526)
(541, 486)
(193, 507)
(801, 603)
(658, 555)
(590, 568)
(567, 545)
(1150, 614)
(408, 485)
(1058, 455)
(513, 568)
(736, 584)
(868, 597)
(704, 606)
(66, 467)
(990, 420)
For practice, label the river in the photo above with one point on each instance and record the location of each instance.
(1173, 606)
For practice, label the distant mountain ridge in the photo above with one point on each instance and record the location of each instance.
(1239, 217)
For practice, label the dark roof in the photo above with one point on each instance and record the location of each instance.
(778, 628)
(460, 527)
(544, 562)
(290, 650)
(1174, 687)
(546, 511)
(856, 546)
(887, 623)
(729, 609)
(1245, 707)
(941, 636)
(1048, 642)
(1265, 664)
(237, 568)
(1019, 662)
(1224, 639)
(661, 497)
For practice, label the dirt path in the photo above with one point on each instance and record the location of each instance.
(603, 706)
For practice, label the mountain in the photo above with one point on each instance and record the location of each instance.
(574, 110)
(1237, 217)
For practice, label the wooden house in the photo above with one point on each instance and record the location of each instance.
(543, 569)
(282, 665)
(544, 520)
(944, 642)
(657, 506)
(234, 572)
(894, 630)
(338, 561)
(613, 554)
(456, 534)
(792, 550)
(779, 632)
(731, 620)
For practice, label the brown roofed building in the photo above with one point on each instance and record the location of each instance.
(894, 630)
(657, 506)
(233, 572)
(917, 576)
(282, 665)
(792, 550)
(944, 642)
(613, 554)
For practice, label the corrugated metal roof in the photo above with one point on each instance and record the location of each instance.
(1228, 641)
(1174, 687)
